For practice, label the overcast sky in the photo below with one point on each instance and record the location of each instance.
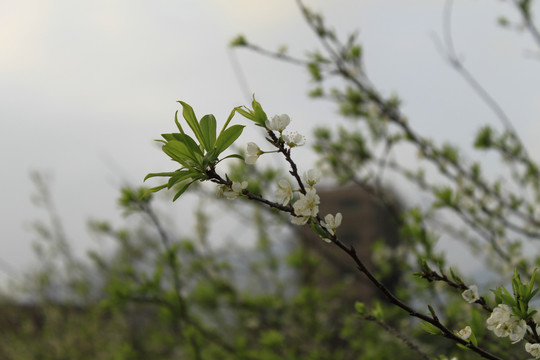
(85, 86)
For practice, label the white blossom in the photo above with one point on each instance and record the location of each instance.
(503, 323)
(252, 153)
(533, 349)
(312, 176)
(331, 223)
(294, 139)
(284, 192)
(235, 189)
(517, 330)
(278, 122)
(465, 333)
(306, 206)
(300, 220)
(471, 294)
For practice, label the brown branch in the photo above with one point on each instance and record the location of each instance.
(395, 333)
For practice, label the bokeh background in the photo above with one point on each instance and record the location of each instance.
(85, 87)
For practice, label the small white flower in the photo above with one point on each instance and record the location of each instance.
(294, 139)
(471, 294)
(465, 333)
(284, 192)
(252, 153)
(499, 316)
(503, 323)
(312, 176)
(306, 206)
(533, 349)
(517, 329)
(235, 189)
(331, 223)
(278, 122)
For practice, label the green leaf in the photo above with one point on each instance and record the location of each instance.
(231, 115)
(153, 190)
(360, 307)
(181, 151)
(227, 137)
(151, 175)
(182, 175)
(190, 143)
(208, 131)
(473, 339)
(432, 312)
(247, 113)
(177, 122)
(318, 230)
(178, 155)
(429, 328)
(531, 282)
(182, 188)
(237, 156)
(259, 114)
(191, 119)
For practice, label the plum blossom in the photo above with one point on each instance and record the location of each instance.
(331, 223)
(305, 207)
(293, 139)
(471, 294)
(278, 122)
(252, 153)
(465, 333)
(533, 349)
(503, 323)
(311, 177)
(284, 192)
(235, 189)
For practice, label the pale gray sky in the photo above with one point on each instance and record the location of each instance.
(86, 86)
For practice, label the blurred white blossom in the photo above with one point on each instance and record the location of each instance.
(294, 139)
(252, 153)
(331, 223)
(533, 349)
(284, 192)
(312, 176)
(465, 333)
(235, 189)
(471, 294)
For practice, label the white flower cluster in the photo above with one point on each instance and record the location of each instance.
(307, 205)
(503, 323)
(233, 191)
(277, 123)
